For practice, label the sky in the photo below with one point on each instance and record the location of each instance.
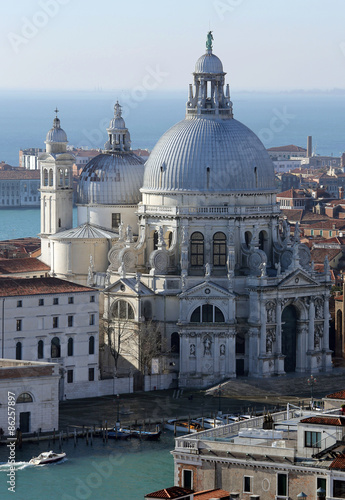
(272, 45)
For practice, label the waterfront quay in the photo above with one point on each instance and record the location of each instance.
(236, 396)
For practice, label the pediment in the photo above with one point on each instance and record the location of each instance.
(297, 278)
(206, 289)
(128, 286)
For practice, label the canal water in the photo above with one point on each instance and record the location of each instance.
(117, 470)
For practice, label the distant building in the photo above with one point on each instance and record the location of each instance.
(47, 319)
(19, 188)
(28, 158)
(286, 152)
(35, 389)
(276, 456)
(23, 268)
(293, 199)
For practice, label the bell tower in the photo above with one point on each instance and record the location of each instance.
(56, 187)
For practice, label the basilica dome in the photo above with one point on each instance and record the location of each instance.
(209, 151)
(111, 179)
(115, 176)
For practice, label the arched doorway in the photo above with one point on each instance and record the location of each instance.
(289, 334)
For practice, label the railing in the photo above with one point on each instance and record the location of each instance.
(209, 210)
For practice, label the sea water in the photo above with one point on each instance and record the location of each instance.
(115, 470)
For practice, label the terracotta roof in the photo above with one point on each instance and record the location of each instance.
(10, 287)
(341, 298)
(172, 492)
(293, 215)
(28, 264)
(326, 224)
(337, 421)
(209, 494)
(19, 175)
(292, 193)
(310, 216)
(318, 255)
(291, 148)
(338, 463)
(337, 395)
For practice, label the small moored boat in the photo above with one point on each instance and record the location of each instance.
(47, 457)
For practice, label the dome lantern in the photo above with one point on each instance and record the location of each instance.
(56, 139)
(208, 97)
(118, 136)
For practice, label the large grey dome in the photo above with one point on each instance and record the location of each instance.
(111, 179)
(209, 155)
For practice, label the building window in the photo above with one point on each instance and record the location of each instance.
(321, 232)
(19, 325)
(321, 482)
(55, 348)
(71, 300)
(55, 322)
(282, 485)
(70, 347)
(188, 479)
(24, 397)
(197, 249)
(40, 347)
(115, 220)
(91, 374)
(69, 376)
(219, 249)
(41, 302)
(70, 321)
(312, 439)
(19, 303)
(92, 298)
(18, 350)
(247, 484)
(55, 301)
(92, 345)
(123, 310)
(207, 313)
(175, 343)
(92, 319)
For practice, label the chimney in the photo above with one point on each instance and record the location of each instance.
(309, 146)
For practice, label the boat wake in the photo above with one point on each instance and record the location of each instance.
(5, 466)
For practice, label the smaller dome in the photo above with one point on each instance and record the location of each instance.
(56, 133)
(209, 63)
(117, 123)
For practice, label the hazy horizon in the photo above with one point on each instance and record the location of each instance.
(265, 46)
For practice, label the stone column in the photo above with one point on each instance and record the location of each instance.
(310, 346)
(278, 346)
(302, 339)
(325, 343)
(199, 353)
(263, 329)
(184, 353)
(230, 363)
(254, 349)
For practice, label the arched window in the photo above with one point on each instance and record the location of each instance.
(50, 176)
(70, 347)
(24, 397)
(18, 350)
(175, 343)
(66, 178)
(155, 240)
(92, 345)
(55, 348)
(219, 249)
(197, 249)
(45, 177)
(207, 313)
(123, 310)
(40, 348)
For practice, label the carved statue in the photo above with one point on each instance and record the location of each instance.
(129, 234)
(207, 346)
(192, 350)
(222, 350)
(263, 269)
(207, 270)
(278, 268)
(326, 266)
(91, 263)
(121, 231)
(297, 235)
(209, 40)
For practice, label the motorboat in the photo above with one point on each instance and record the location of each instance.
(183, 426)
(208, 423)
(142, 434)
(47, 457)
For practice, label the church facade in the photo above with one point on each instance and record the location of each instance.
(207, 264)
